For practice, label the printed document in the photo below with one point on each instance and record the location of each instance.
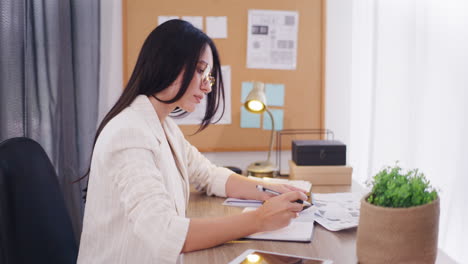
(337, 211)
(272, 39)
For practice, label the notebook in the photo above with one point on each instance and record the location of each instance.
(299, 230)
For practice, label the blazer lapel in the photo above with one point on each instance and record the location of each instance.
(144, 107)
(178, 149)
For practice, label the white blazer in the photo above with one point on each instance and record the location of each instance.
(139, 189)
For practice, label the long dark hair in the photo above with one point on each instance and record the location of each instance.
(171, 47)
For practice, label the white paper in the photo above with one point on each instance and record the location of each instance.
(216, 26)
(337, 211)
(196, 21)
(299, 229)
(272, 39)
(162, 19)
(196, 116)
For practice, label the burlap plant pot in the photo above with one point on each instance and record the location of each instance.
(397, 235)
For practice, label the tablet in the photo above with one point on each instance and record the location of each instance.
(253, 256)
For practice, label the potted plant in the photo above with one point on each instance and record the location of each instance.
(399, 219)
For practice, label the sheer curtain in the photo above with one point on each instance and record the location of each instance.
(49, 61)
(408, 81)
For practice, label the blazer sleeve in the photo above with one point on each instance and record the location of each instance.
(204, 175)
(143, 195)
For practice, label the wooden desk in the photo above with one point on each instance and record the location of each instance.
(338, 246)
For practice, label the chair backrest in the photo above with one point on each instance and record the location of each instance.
(34, 223)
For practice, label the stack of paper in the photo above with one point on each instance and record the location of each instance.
(337, 211)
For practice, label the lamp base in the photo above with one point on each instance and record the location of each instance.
(262, 169)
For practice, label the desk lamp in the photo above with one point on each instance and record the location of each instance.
(256, 103)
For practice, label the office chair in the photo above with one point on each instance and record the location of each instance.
(34, 223)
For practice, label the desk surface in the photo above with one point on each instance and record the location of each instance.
(338, 246)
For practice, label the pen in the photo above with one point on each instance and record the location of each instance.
(263, 189)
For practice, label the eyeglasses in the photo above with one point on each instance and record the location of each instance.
(207, 79)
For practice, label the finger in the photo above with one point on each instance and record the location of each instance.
(293, 196)
(292, 188)
(281, 188)
(266, 196)
(295, 207)
(293, 215)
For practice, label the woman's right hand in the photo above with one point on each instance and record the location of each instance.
(278, 211)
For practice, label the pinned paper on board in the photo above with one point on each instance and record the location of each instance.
(196, 21)
(216, 26)
(278, 115)
(274, 97)
(246, 88)
(249, 120)
(274, 94)
(196, 117)
(272, 39)
(162, 19)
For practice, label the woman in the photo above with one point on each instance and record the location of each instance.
(141, 166)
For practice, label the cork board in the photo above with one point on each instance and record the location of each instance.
(304, 87)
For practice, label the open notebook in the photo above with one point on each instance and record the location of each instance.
(299, 230)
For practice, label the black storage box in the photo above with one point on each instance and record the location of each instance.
(318, 152)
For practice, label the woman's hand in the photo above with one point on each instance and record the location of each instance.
(241, 187)
(281, 188)
(278, 211)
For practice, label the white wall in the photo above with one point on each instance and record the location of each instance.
(338, 63)
(346, 19)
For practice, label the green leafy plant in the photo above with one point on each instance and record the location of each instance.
(393, 188)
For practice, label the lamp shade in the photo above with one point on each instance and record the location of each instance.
(256, 99)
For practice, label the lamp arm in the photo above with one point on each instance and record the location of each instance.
(272, 132)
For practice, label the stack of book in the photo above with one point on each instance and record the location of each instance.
(321, 175)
